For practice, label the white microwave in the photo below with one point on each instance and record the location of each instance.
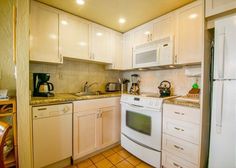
(155, 53)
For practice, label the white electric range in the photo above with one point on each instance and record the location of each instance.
(141, 126)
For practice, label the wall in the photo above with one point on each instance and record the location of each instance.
(150, 80)
(7, 78)
(24, 121)
(70, 76)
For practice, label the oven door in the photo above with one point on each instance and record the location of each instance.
(141, 125)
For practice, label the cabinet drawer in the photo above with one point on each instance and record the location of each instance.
(181, 148)
(172, 161)
(182, 113)
(184, 130)
(85, 105)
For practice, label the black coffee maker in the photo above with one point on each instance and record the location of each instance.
(42, 88)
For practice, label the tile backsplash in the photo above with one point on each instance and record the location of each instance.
(70, 76)
(150, 80)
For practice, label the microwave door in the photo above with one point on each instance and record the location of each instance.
(148, 58)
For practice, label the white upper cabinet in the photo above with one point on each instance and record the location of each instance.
(189, 34)
(100, 42)
(143, 34)
(116, 51)
(163, 27)
(44, 32)
(74, 37)
(127, 56)
(214, 7)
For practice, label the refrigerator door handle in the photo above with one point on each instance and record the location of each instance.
(221, 54)
(219, 110)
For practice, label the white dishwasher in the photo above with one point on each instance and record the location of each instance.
(52, 134)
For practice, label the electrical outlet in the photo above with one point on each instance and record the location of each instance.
(60, 75)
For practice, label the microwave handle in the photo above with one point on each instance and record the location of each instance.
(158, 54)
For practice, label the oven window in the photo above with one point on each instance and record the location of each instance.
(139, 122)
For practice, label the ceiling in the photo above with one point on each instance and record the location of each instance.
(108, 12)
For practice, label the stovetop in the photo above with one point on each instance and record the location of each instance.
(151, 100)
(153, 95)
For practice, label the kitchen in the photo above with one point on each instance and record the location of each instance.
(122, 91)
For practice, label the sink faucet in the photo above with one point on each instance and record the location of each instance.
(87, 86)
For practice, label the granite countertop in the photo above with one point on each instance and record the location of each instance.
(68, 97)
(180, 102)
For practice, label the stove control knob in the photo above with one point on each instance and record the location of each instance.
(150, 103)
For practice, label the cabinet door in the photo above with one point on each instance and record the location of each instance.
(44, 34)
(128, 42)
(143, 34)
(85, 133)
(190, 35)
(163, 27)
(214, 7)
(110, 125)
(116, 50)
(74, 37)
(101, 39)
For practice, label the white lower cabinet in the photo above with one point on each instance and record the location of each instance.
(181, 137)
(173, 161)
(186, 150)
(96, 125)
(84, 134)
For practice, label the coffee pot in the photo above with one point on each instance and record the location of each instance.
(42, 88)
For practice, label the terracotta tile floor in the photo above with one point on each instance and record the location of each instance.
(116, 157)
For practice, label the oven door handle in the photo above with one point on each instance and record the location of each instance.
(135, 106)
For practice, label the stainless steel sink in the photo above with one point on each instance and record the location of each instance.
(89, 93)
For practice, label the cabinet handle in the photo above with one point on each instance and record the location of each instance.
(178, 147)
(100, 115)
(175, 59)
(93, 56)
(41, 109)
(179, 129)
(150, 37)
(176, 165)
(61, 58)
(179, 113)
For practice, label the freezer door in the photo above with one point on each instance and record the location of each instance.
(223, 125)
(225, 48)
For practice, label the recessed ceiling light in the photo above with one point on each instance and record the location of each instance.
(80, 2)
(122, 20)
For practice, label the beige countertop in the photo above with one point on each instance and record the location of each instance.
(67, 97)
(186, 103)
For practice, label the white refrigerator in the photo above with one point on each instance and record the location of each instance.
(223, 117)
